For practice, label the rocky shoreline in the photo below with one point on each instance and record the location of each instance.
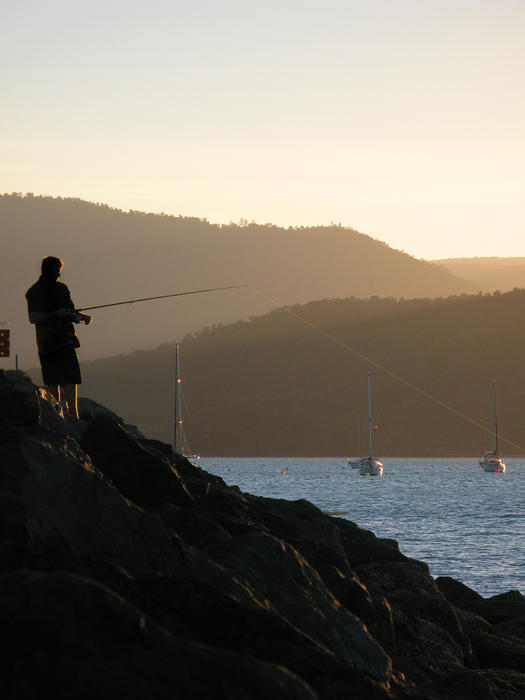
(127, 572)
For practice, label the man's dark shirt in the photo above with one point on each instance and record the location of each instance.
(46, 296)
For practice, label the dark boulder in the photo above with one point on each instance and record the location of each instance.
(515, 627)
(495, 651)
(70, 636)
(500, 608)
(144, 476)
(19, 403)
(127, 572)
(457, 593)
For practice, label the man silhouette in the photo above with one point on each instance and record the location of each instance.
(51, 310)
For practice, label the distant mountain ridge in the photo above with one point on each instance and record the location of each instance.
(488, 273)
(111, 255)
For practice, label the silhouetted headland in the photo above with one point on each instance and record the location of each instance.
(309, 392)
(127, 572)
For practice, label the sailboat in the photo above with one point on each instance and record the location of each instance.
(491, 461)
(179, 436)
(369, 466)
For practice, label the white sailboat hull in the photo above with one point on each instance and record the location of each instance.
(492, 464)
(370, 466)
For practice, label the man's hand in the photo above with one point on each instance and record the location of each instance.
(77, 317)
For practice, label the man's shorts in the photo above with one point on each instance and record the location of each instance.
(60, 367)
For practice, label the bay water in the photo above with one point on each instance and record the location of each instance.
(460, 520)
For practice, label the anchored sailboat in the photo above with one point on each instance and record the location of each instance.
(179, 436)
(491, 461)
(368, 466)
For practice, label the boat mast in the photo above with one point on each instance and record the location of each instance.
(486, 433)
(177, 417)
(495, 418)
(369, 420)
(358, 436)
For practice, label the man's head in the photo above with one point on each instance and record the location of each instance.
(51, 267)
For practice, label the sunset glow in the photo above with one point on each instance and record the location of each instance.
(402, 120)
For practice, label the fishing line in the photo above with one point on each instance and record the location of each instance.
(387, 371)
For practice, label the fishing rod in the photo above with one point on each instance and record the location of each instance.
(162, 296)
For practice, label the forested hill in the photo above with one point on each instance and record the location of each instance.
(111, 255)
(278, 385)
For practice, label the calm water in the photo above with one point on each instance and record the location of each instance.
(461, 521)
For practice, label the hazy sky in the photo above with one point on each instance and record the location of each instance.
(403, 119)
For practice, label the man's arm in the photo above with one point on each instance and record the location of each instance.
(43, 316)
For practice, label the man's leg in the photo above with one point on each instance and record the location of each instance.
(70, 394)
(54, 390)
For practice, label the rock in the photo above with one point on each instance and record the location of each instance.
(495, 651)
(457, 593)
(515, 627)
(18, 399)
(510, 684)
(72, 637)
(146, 478)
(500, 608)
(125, 571)
(472, 624)
(89, 410)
